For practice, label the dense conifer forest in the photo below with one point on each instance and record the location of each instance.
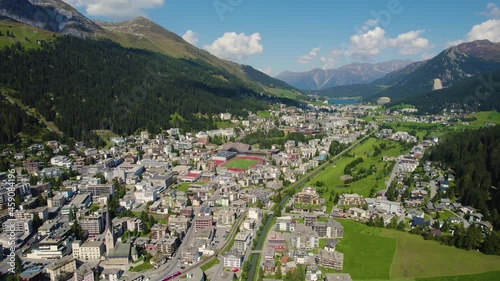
(82, 85)
(474, 156)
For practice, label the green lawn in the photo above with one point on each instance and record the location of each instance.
(240, 163)
(444, 215)
(105, 135)
(25, 34)
(485, 117)
(209, 265)
(146, 265)
(383, 254)
(263, 113)
(331, 176)
(367, 255)
(493, 275)
(224, 124)
(417, 258)
(94, 207)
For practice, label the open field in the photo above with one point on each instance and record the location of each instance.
(242, 163)
(224, 124)
(26, 35)
(185, 185)
(105, 135)
(367, 255)
(416, 257)
(331, 176)
(383, 254)
(263, 113)
(485, 117)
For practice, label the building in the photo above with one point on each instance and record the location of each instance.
(241, 242)
(203, 222)
(145, 195)
(168, 245)
(110, 236)
(285, 224)
(233, 259)
(308, 196)
(99, 190)
(310, 219)
(159, 231)
(304, 237)
(277, 242)
(55, 246)
(134, 224)
(254, 213)
(227, 218)
(19, 227)
(61, 268)
(330, 229)
(333, 260)
(351, 200)
(178, 224)
(81, 201)
(88, 251)
(389, 207)
(85, 273)
(56, 202)
(112, 274)
(93, 224)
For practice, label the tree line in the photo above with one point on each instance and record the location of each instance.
(83, 85)
(474, 155)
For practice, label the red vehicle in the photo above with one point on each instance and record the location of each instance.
(235, 269)
(171, 276)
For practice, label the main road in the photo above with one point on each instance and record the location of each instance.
(254, 261)
(170, 268)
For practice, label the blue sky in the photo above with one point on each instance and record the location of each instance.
(297, 35)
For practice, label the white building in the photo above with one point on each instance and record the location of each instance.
(61, 161)
(233, 259)
(145, 195)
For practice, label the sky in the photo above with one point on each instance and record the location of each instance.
(298, 35)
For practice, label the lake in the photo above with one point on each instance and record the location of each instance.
(343, 101)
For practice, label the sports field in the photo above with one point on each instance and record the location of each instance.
(242, 163)
(383, 254)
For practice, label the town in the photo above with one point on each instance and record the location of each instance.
(261, 196)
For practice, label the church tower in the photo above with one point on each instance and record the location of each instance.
(110, 236)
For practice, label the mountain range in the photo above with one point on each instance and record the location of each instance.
(120, 77)
(354, 73)
(59, 17)
(445, 73)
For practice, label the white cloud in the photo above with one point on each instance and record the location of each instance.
(330, 60)
(410, 43)
(236, 46)
(492, 11)
(368, 24)
(370, 40)
(367, 44)
(489, 29)
(266, 70)
(191, 37)
(119, 9)
(309, 56)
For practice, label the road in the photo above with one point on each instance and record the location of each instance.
(169, 268)
(395, 171)
(254, 261)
